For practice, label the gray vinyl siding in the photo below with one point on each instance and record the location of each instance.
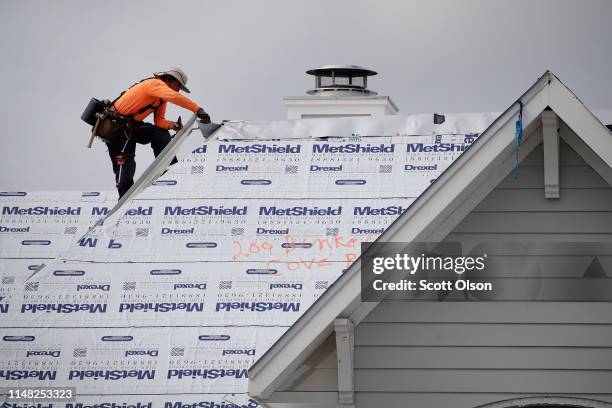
(517, 209)
(465, 354)
(453, 354)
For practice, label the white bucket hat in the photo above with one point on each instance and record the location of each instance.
(177, 74)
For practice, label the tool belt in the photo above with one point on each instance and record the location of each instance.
(107, 123)
(112, 127)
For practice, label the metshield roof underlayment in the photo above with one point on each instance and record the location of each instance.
(208, 266)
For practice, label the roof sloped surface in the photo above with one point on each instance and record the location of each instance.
(209, 265)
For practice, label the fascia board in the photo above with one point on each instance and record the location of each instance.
(343, 297)
(584, 151)
(573, 112)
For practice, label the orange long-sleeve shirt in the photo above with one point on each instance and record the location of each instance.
(154, 91)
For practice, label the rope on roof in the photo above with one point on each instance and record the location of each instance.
(518, 137)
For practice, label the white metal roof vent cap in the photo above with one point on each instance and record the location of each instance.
(341, 80)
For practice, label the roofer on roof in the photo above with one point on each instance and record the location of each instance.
(150, 95)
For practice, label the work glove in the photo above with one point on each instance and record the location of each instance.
(203, 116)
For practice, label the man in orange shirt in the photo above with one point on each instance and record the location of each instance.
(150, 95)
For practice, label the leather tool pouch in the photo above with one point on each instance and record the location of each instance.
(112, 128)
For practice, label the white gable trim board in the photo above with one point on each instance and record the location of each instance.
(443, 205)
